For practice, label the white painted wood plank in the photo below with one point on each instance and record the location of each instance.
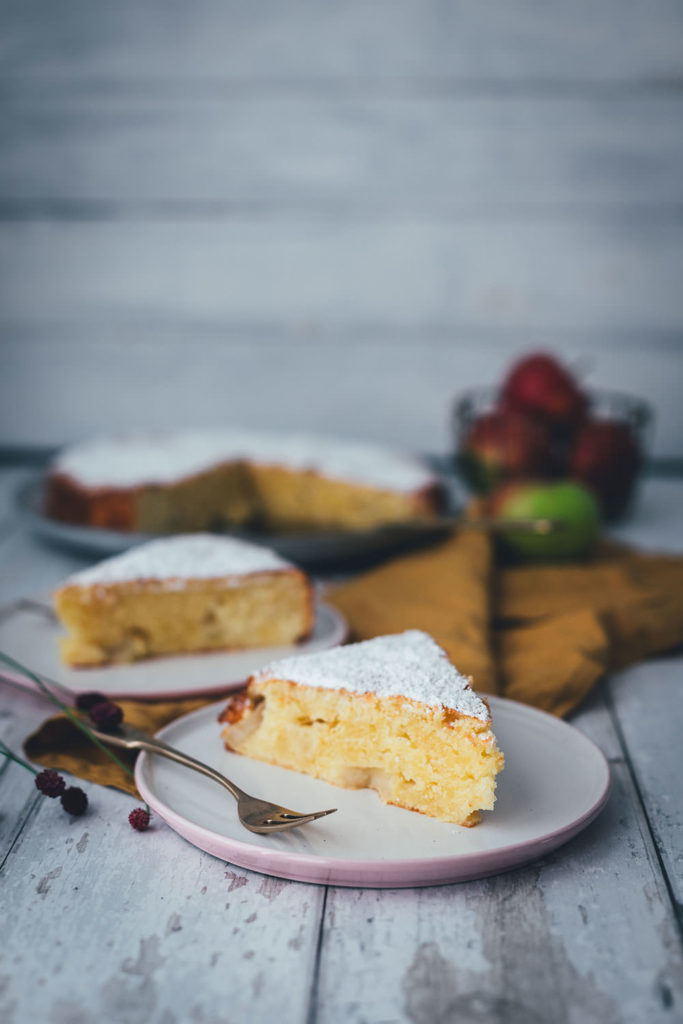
(19, 799)
(10, 480)
(594, 720)
(657, 526)
(587, 934)
(20, 713)
(352, 156)
(28, 567)
(605, 41)
(536, 276)
(59, 384)
(181, 937)
(646, 700)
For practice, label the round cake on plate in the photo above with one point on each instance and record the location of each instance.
(202, 480)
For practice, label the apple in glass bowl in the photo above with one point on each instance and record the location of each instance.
(541, 387)
(541, 423)
(570, 503)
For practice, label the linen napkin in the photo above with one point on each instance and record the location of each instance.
(539, 634)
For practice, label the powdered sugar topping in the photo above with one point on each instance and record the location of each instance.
(181, 557)
(133, 461)
(409, 664)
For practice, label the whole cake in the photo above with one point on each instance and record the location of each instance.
(392, 714)
(200, 480)
(197, 592)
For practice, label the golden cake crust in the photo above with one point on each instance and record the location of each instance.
(107, 508)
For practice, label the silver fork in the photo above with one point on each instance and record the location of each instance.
(256, 815)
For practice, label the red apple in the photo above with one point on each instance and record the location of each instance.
(503, 445)
(606, 457)
(539, 385)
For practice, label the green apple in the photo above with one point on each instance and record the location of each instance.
(571, 503)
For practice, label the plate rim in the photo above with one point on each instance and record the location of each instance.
(340, 634)
(440, 870)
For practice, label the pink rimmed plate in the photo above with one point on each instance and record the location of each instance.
(31, 637)
(554, 784)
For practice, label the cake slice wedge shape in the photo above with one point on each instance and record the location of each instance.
(392, 714)
(182, 594)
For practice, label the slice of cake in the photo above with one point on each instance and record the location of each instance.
(199, 480)
(392, 714)
(187, 593)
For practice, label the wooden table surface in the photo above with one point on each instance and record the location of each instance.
(105, 924)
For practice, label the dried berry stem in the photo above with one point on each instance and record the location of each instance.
(66, 709)
(4, 749)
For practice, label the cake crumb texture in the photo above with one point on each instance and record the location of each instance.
(359, 731)
(182, 595)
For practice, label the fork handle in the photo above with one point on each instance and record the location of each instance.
(154, 746)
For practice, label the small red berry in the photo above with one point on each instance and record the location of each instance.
(85, 701)
(50, 783)
(74, 801)
(139, 819)
(106, 715)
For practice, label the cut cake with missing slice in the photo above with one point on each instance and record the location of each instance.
(392, 714)
(195, 480)
(188, 593)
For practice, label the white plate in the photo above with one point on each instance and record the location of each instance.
(554, 783)
(307, 549)
(31, 638)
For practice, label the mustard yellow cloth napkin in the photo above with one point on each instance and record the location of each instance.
(446, 591)
(538, 634)
(560, 628)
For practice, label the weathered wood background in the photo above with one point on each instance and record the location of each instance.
(333, 216)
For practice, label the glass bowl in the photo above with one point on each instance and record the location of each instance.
(605, 450)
